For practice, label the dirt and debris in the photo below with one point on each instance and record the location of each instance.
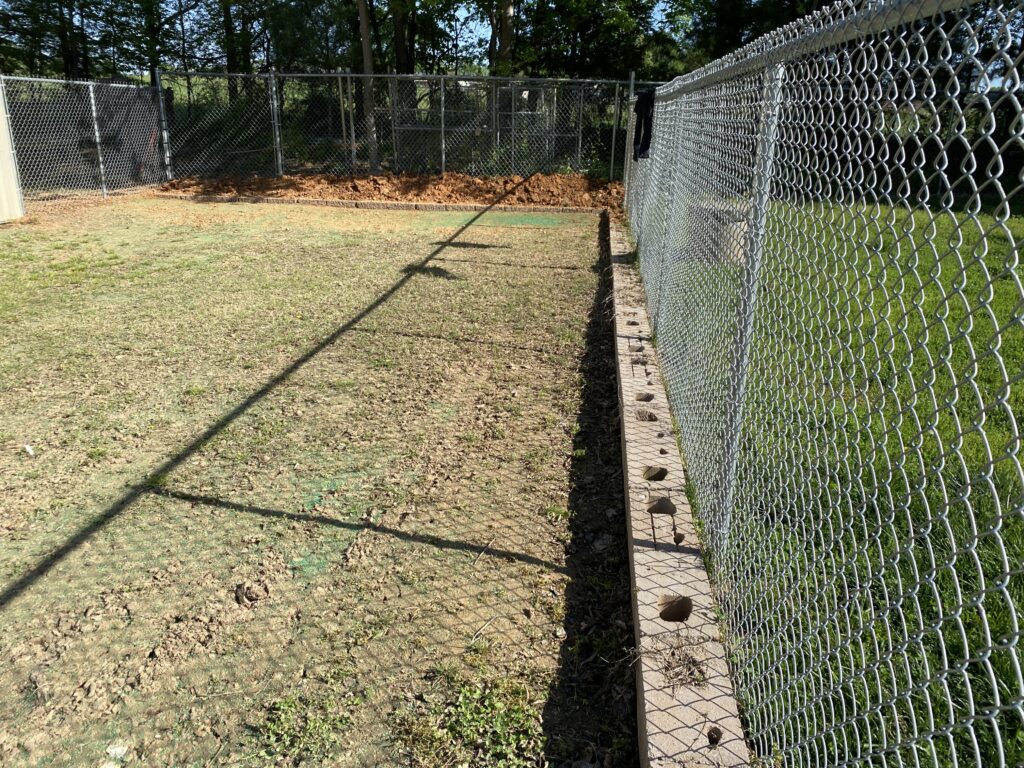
(681, 658)
(554, 189)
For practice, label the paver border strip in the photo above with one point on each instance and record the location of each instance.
(389, 205)
(687, 712)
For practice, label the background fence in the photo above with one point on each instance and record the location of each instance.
(829, 232)
(345, 123)
(76, 139)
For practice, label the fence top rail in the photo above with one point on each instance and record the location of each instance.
(840, 23)
(419, 76)
(58, 81)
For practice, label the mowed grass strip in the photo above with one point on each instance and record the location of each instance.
(879, 480)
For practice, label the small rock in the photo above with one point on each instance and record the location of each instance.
(28, 449)
(117, 751)
(248, 594)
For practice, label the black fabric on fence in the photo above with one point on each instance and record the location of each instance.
(644, 109)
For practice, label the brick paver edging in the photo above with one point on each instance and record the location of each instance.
(686, 710)
(389, 205)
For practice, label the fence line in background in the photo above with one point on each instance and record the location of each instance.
(79, 139)
(350, 123)
(829, 231)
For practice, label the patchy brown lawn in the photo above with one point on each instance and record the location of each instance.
(294, 484)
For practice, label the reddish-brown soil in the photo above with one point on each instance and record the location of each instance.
(555, 189)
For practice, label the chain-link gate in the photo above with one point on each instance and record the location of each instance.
(77, 139)
(829, 229)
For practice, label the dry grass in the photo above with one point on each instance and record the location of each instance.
(282, 464)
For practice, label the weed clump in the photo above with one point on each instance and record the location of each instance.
(491, 723)
(300, 728)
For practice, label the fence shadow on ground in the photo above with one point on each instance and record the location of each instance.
(594, 688)
(18, 586)
(365, 613)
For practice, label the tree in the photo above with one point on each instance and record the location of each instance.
(368, 117)
(580, 38)
(505, 33)
(403, 20)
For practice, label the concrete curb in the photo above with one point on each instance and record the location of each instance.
(686, 709)
(386, 205)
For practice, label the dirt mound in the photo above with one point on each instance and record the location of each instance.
(555, 189)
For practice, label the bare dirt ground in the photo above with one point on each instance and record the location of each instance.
(556, 189)
(296, 485)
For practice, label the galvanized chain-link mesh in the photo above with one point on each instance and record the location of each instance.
(76, 139)
(219, 125)
(829, 230)
(417, 124)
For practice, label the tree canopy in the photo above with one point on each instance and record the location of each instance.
(95, 39)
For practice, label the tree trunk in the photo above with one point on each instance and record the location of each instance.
(492, 44)
(506, 30)
(230, 48)
(185, 65)
(411, 37)
(245, 40)
(84, 64)
(368, 118)
(403, 21)
(150, 13)
(66, 42)
(375, 29)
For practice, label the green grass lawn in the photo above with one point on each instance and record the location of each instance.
(872, 585)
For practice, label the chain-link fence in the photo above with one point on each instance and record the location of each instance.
(77, 139)
(344, 123)
(829, 229)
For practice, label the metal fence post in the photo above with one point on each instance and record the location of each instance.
(627, 159)
(549, 123)
(615, 135)
(554, 120)
(96, 136)
(16, 208)
(515, 98)
(393, 90)
(165, 134)
(495, 129)
(579, 131)
(341, 110)
(352, 118)
(763, 173)
(627, 156)
(443, 159)
(275, 122)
